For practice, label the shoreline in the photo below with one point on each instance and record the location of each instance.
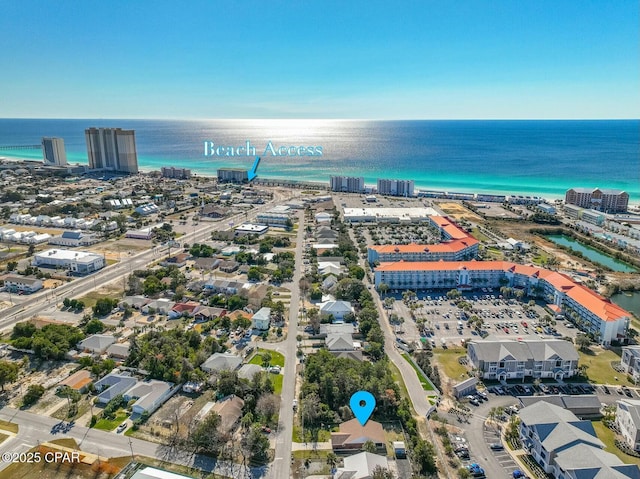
(420, 186)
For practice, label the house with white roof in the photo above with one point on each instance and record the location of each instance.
(97, 343)
(361, 466)
(261, 319)
(337, 309)
(221, 362)
(149, 395)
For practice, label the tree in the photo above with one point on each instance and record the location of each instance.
(34, 392)
(254, 274)
(383, 288)
(94, 326)
(266, 359)
(424, 457)
(8, 372)
(257, 445)
(104, 306)
(380, 472)
(583, 342)
(332, 460)
(267, 406)
(369, 446)
(12, 265)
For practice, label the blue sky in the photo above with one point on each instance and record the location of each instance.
(320, 59)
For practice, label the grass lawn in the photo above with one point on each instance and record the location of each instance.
(475, 232)
(3, 437)
(599, 370)
(448, 362)
(66, 442)
(607, 436)
(9, 426)
(397, 377)
(277, 359)
(277, 383)
(426, 385)
(323, 435)
(92, 297)
(110, 424)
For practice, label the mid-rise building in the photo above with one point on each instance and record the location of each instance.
(347, 184)
(395, 187)
(567, 447)
(15, 283)
(53, 152)
(592, 313)
(232, 175)
(628, 421)
(176, 173)
(511, 359)
(607, 200)
(630, 361)
(112, 149)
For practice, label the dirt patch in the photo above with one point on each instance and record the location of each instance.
(458, 212)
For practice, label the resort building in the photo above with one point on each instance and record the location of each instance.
(628, 421)
(347, 184)
(591, 312)
(388, 215)
(607, 200)
(511, 359)
(630, 362)
(233, 175)
(567, 447)
(53, 153)
(395, 187)
(458, 246)
(176, 173)
(112, 149)
(79, 262)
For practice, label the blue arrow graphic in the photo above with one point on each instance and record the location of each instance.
(251, 174)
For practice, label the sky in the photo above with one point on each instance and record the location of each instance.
(465, 59)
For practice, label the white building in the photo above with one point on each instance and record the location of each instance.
(79, 262)
(261, 319)
(395, 187)
(53, 152)
(347, 184)
(361, 466)
(628, 421)
(21, 284)
(337, 309)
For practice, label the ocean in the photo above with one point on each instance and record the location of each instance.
(531, 157)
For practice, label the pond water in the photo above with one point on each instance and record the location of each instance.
(592, 254)
(629, 301)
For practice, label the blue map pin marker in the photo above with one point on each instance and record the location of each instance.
(362, 404)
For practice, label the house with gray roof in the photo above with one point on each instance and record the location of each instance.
(585, 406)
(518, 359)
(337, 309)
(135, 302)
(248, 371)
(149, 395)
(97, 343)
(112, 385)
(567, 447)
(339, 342)
(628, 421)
(221, 362)
(329, 283)
(261, 319)
(361, 466)
(119, 350)
(160, 306)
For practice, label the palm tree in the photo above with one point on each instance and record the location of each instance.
(332, 460)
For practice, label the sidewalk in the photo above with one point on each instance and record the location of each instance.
(311, 446)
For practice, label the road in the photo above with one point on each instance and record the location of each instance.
(281, 465)
(42, 300)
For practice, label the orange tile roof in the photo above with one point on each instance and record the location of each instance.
(444, 247)
(449, 227)
(598, 305)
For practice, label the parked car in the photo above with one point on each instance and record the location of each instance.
(121, 427)
(496, 447)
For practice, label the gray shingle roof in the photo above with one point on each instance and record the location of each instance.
(538, 350)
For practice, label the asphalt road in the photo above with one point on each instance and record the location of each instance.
(281, 465)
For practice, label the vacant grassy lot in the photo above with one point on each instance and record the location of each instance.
(447, 361)
(111, 424)
(277, 359)
(599, 370)
(92, 297)
(607, 436)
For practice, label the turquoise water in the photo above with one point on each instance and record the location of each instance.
(629, 301)
(522, 157)
(592, 254)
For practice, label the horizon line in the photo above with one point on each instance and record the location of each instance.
(318, 119)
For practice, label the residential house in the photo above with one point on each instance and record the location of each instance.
(160, 306)
(511, 359)
(361, 466)
(230, 411)
(149, 395)
(337, 309)
(221, 362)
(97, 343)
(207, 264)
(207, 313)
(248, 371)
(329, 283)
(323, 218)
(112, 385)
(326, 267)
(135, 302)
(214, 211)
(78, 381)
(352, 435)
(261, 319)
(178, 260)
(119, 350)
(628, 421)
(229, 266)
(183, 309)
(339, 342)
(16, 283)
(337, 328)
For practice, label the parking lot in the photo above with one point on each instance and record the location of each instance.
(444, 324)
